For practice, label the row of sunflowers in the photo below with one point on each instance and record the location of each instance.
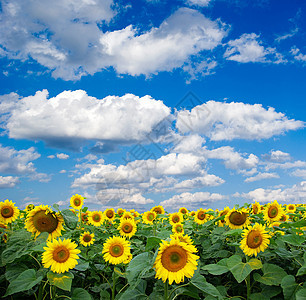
(250, 252)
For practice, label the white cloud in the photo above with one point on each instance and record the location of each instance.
(8, 181)
(201, 3)
(190, 144)
(261, 176)
(277, 156)
(51, 156)
(185, 33)
(62, 156)
(248, 49)
(232, 159)
(294, 194)
(71, 118)
(192, 201)
(227, 121)
(66, 37)
(286, 165)
(62, 171)
(299, 173)
(199, 182)
(136, 199)
(297, 54)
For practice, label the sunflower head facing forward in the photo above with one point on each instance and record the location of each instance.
(175, 261)
(273, 212)
(148, 217)
(43, 219)
(77, 201)
(237, 218)
(8, 212)
(60, 255)
(87, 238)
(127, 228)
(116, 250)
(95, 218)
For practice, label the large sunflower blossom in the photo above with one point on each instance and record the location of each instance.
(43, 219)
(176, 217)
(273, 212)
(60, 255)
(95, 218)
(8, 212)
(175, 261)
(237, 218)
(109, 214)
(127, 228)
(116, 250)
(77, 201)
(148, 217)
(200, 216)
(255, 239)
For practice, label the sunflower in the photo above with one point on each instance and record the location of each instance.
(182, 238)
(284, 217)
(127, 228)
(95, 218)
(83, 217)
(127, 215)
(76, 201)
(175, 260)
(291, 208)
(60, 255)
(273, 212)
(8, 212)
(178, 228)
(116, 250)
(134, 213)
(183, 210)
(87, 238)
(255, 239)
(273, 225)
(29, 207)
(109, 214)
(237, 218)
(200, 216)
(148, 217)
(43, 219)
(176, 218)
(223, 212)
(120, 212)
(192, 213)
(130, 256)
(256, 208)
(158, 209)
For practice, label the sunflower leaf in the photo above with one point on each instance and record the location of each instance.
(62, 280)
(71, 220)
(272, 275)
(80, 294)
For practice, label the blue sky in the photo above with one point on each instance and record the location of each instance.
(195, 103)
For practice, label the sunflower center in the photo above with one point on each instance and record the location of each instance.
(183, 211)
(174, 258)
(157, 210)
(254, 239)
(127, 228)
(179, 228)
(116, 250)
(7, 212)
(87, 238)
(77, 202)
(96, 217)
(109, 214)
(45, 222)
(175, 219)
(272, 212)
(150, 217)
(237, 218)
(291, 207)
(255, 209)
(201, 215)
(61, 254)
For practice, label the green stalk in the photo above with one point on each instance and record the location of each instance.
(248, 281)
(166, 290)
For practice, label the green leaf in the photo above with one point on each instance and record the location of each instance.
(215, 269)
(14, 270)
(293, 239)
(56, 206)
(301, 294)
(139, 292)
(137, 267)
(152, 241)
(290, 287)
(272, 275)
(241, 270)
(62, 280)
(233, 232)
(25, 281)
(82, 265)
(71, 220)
(80, 294)
(302, 270)
(200, 282)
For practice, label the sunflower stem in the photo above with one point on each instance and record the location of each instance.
(248, 281)
(166, 290)
(114, 285)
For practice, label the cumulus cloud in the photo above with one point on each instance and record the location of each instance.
(8, 181)
(298, 55)
(192, 200)
(232, 159)
(299, 173)
(72, 117)
(294, 194)
(67, 38)
(201, 3)
(248, 48)
(261, 176)
(62, 156)
(277, 156)
(235, 120)
(286, 165)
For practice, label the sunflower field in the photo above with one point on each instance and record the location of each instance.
(250, 252)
